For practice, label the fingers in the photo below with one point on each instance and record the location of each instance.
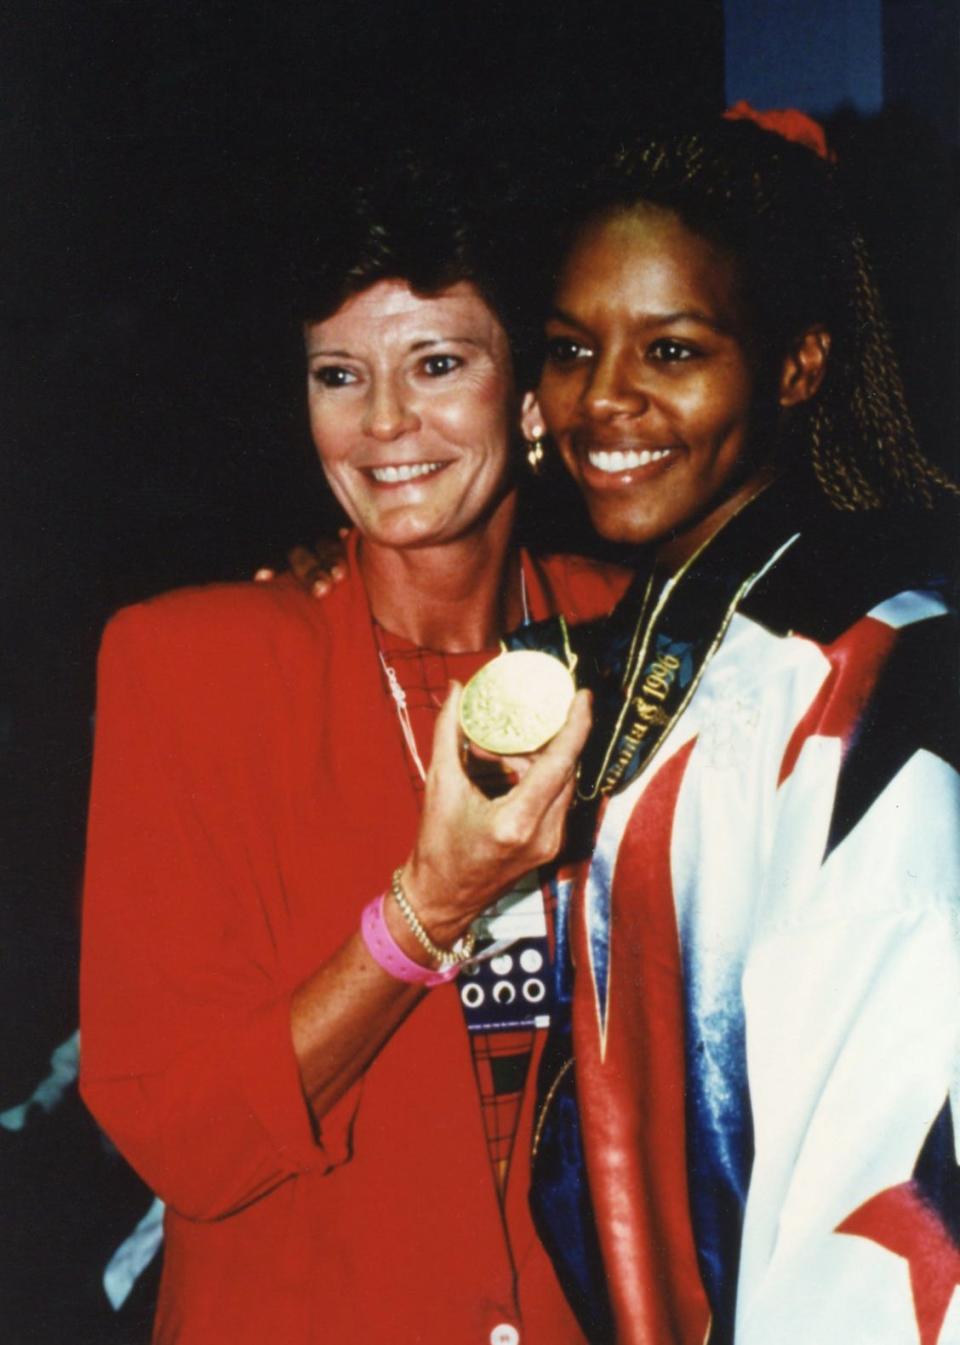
(316, 572)
(471, 846)
(553, 772)
(562, 751)
(445, 760)
(305, 566)
(328, 555)
(541, 816)
(555, 818)
(264, 575)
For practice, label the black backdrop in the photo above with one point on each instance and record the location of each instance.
(152, 432)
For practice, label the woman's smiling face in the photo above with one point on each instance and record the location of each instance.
(649, 381)
(412, 404)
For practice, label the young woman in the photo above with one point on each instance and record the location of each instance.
(340, 1130)
(764, 938)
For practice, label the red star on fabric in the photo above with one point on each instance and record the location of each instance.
(900, 1220)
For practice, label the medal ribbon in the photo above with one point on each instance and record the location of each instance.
(644, 662)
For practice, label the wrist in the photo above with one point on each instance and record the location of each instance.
(428, 891)
(403, 935)
(443, 956)
(389, 955)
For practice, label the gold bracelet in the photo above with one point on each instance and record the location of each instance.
(461, 951)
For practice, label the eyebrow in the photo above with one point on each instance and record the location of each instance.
(426, 344)
(656, 319)
(447, 340)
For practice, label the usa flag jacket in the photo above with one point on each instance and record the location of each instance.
(749, 1118)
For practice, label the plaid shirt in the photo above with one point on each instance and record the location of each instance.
(496, 994)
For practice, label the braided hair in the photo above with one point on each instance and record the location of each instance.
(775, 207)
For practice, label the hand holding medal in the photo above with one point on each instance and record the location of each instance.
(471, 847)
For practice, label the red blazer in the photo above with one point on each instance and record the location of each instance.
(250, 795)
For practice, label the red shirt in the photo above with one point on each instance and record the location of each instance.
(250, 795)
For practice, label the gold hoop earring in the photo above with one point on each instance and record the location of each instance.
(535, 455)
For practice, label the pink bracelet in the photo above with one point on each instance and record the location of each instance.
(387, 953)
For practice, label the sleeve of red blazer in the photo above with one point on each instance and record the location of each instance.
(187, 1055)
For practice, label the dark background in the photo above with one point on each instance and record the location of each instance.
(152, 154)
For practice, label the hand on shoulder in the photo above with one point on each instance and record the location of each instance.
(316, 568)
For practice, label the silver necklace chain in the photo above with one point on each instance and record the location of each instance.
(399, 696)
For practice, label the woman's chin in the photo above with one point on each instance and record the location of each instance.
(621, 522)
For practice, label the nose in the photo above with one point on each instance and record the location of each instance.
(615, 388)
(388, 413)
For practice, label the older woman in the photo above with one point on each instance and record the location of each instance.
(341, 1138)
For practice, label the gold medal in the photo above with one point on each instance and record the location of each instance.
(516, 702)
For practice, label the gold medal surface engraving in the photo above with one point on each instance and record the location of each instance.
(516, 702)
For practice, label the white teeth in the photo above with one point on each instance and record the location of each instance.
(404, 473)
(616, 461)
